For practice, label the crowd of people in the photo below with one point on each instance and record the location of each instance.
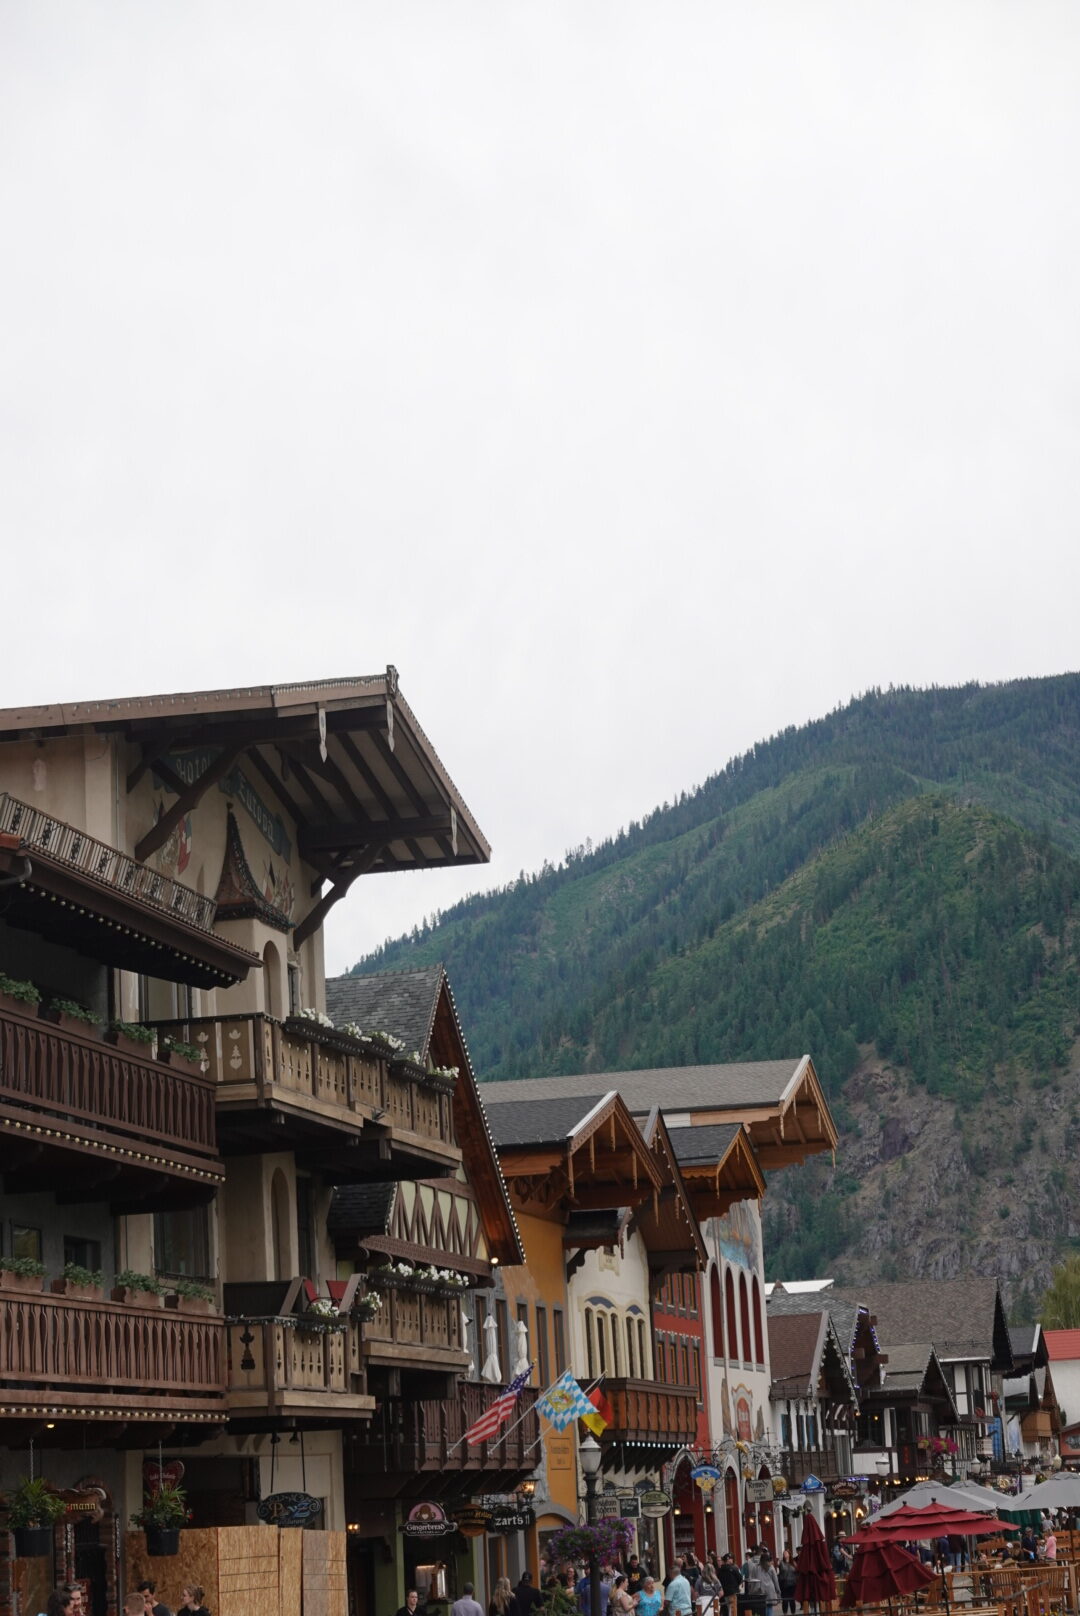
(141, 1601)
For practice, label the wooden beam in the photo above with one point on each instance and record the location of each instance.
(360, 833)
(317, 914)
(190, 798)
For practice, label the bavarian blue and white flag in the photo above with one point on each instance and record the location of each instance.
(563, 1402)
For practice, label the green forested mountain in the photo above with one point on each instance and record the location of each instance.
(893, 888)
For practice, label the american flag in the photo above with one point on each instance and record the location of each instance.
(483, 1429)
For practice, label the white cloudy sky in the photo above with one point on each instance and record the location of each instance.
(637, 378)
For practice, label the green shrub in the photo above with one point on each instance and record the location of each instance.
(69, 1007)
(127, 1279)
(75, 1274)
(25, 1267)
(25, 992)
(133, 1030)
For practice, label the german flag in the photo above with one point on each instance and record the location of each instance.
(604, 1416)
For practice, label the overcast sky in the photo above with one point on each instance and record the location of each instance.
(638, 379)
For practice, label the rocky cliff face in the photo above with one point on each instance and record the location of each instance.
(932, 1188)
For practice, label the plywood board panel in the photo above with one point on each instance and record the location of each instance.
(197, 1562)
(325, 1576)
(247, 1570)
(290, 1570)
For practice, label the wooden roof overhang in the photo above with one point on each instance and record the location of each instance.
(67, 905)
(666, 1221)
(603, 1161)
(447, 1047)
(785, 1133)
(713, 1186)
(345, 758)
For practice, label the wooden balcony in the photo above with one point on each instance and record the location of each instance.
(414, 1446)
(61, 1358)
(828, 1463)
(278, 1370)
(350, 1110)
(415, 1330)
(96, 1123)
(661, 1416)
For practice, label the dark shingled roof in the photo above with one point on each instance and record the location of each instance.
(707, 1143)
(677, 1088)
(402, 1003)
(959, 1316)
(844, 1314)
(360, 1209)
(793, 1352)
(537, 1122)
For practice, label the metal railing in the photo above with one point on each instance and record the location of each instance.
(67, 845)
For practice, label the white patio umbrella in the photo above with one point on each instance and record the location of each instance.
(521, 1348)
(1060, 1492)
(984, 1497)
(933, 1492)
(492, 1369)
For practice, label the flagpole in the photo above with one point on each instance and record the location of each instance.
(506, 1430)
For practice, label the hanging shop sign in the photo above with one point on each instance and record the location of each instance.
(847, 1488)
(157, 1475)
(758, 1492)
(706, 1477)
(606, 1507)
(511, 1520)
(813, 1484)
(84, 1503)
(629, 1506)
(655, 1503)
(427, 1520)
(289, 1509)
(472, 1521)
(779, 1486)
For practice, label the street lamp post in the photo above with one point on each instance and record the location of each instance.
(590, 1455)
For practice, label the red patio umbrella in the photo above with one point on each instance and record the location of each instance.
(815, 1582)
(881, 1570)
(906, 1525)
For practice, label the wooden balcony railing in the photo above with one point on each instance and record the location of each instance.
(278, 1367)
(412, 1435)
(131, 1108)
(323, 1076)
(66, 1356)
(826, 1463)
(416, 1328)
(105, 865)
(647, 1412)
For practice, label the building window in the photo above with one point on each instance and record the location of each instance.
(83, 1253)
(744, 1319)
(25, 1242)
(716, 1311)
(642, 1353)
(759, 1343)
(601, 1344)
(182, 1243)
(616, 1345)
(559, 1339)
(695, 1369)
(305, 1227)
(730, 1319)
(692, 1288)
(631, 1355)
(543, 1365)
(590, 1341)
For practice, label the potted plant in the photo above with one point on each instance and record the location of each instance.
(366, 1306)
(33, 1509)
(188, 1296)
(131, 1038)
(175, 1053)
(138, 1290)
(22, 1274)
(17, 995)
(68, 1015)
(81, 1284)
(162, 1516)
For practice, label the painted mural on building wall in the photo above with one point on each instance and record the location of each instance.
(736, 1232)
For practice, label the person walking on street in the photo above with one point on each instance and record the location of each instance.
(785, 1576)
(467, 1605)
(679, 1599)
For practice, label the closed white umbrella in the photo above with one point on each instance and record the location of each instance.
(492, 1369)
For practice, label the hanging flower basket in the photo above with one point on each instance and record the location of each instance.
(31, 1542)
(162, 1541)
(609, 1541)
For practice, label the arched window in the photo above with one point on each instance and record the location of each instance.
(631, 1352)
(759, 1338)
(643, 1358)
(716, 1310)
(280, 1224)
(601, 1344)
(744, 1319)
(729, 1313)
(273, 986)
(590, 1343)
(616, 1345)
